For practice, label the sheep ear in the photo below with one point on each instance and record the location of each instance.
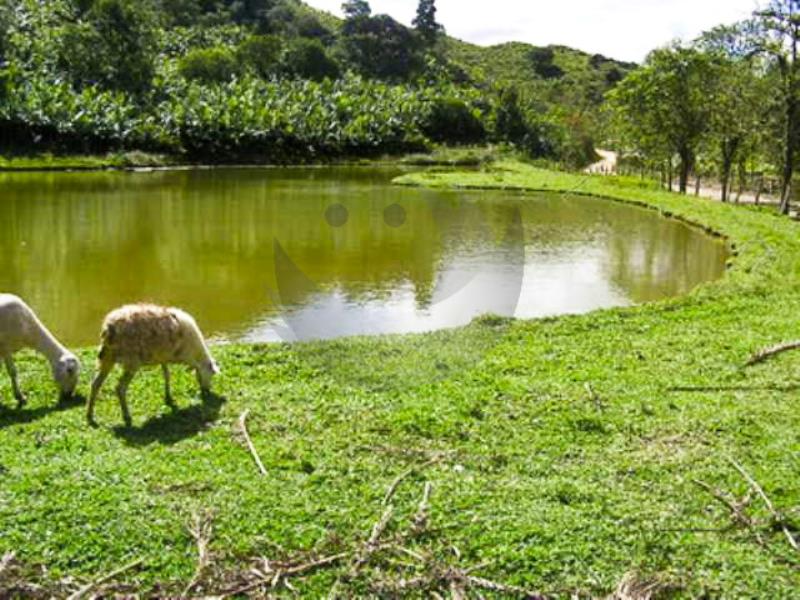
(215, 368)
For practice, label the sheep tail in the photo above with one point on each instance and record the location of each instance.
(106, 338)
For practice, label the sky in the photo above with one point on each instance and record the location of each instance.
(621, 29)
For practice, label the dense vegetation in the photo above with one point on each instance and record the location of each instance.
(274, 80)
(727, 102)
(562, 453)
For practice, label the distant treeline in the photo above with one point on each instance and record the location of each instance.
(271, 80)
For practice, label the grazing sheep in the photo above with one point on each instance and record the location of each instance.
(21, 328)
(141, 335)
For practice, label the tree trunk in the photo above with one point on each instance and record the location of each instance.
(685, 169)
(788, 173)
(697, 184)
(726, 177)
(670, 175)
(790, 77)
(742, 182)
(760, 189)
(728, 153)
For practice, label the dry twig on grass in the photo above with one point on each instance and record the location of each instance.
(735, 507)
(272, 573)
(7, 559)
(420, 522)
(593, 397)
(392, 490)
(635, 587)
(768, 353)
(776, 516)
(201, 530)
(249, 442)
(372, 544)
(89, 587)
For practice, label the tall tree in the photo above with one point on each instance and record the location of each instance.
(775, 33)
(354, 9)
(379, 47)
(736, 115)
(663, 107)
(115, 46)
(425, 22)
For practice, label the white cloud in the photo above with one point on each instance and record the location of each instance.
(622, 29)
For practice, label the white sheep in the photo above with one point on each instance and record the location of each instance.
(141, 335)
(20, 328)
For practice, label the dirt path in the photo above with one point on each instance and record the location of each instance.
(608, 166)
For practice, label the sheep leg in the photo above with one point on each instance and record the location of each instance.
(122, 394)
(12, 373)
(167, 391)
(97, 384)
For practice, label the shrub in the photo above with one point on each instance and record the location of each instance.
(261, 54)
(452, 120)
(309, 25)
(510, 124)
(306, 58)
(542, 62)
(211, 65)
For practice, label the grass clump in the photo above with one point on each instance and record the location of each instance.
(562, 455)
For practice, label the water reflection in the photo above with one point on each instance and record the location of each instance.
(254, 254)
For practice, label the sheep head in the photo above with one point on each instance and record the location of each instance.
(206, 370)
(66, 372)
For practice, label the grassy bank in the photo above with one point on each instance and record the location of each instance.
(84, 162)
(562, 453)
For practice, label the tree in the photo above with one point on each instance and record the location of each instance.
(306, 58)
(425, 22)
(510, 123)
(261, 54)
(735, 110)
(379, 47)
(775, 34)
(5, 19)
(542, 62)
(249, 11)
(354, 9)
(210, 65)
(114, 47)
(663, 108)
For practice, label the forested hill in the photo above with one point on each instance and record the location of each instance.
(276, 80)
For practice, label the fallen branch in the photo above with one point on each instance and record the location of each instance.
(284, 571)
(768, 353)
(98, 582)
(8, 559)
(777, 517)
(735, 508)
(501, 588)
(201, 530)
(392, 490)
(249, 442)
(371, 545)
(421, 517)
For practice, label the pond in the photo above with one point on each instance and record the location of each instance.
(307, 253)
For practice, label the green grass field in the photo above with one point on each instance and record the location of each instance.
(562, 454)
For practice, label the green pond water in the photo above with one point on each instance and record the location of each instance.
(287, 254)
